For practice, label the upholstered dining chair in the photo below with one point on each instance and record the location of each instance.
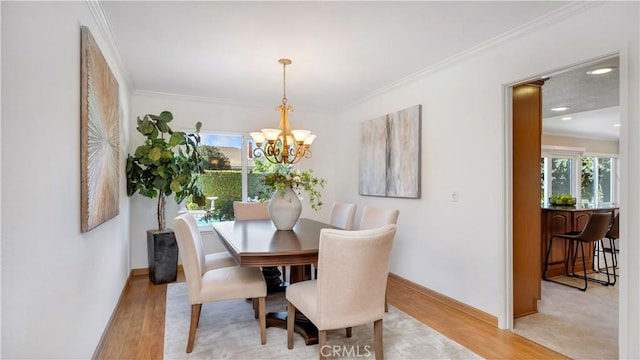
(251, 210)
(349, 290)
(595, 229)
(343, 215)
(256, 211)
(205, 286)
(373, 217)
(215, 260)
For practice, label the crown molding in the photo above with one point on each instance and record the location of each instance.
(202, 99)
(104, 28)
(218, 101)
(553, 17)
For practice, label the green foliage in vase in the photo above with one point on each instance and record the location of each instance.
(165, 163)
(298, 181)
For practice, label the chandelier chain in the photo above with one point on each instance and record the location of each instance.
(284, 83)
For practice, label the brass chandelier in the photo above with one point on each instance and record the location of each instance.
(283, 145)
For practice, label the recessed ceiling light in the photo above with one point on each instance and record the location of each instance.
(617, 125)
(600, 71)
(566, 118)
(560, 108)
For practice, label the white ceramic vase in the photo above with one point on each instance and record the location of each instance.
(285, 210)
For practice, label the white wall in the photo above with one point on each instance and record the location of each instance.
(59, 286)
(591, 145)
(456, 248)
(229, 118)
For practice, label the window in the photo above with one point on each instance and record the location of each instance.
(593, 183)
(230, 174)
(599, 181)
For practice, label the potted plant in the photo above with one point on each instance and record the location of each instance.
(287, 186)
(165, 164)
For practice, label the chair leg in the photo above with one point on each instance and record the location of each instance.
(263, 320)
(585, 277)
(598, 247)
(386, 304)
(195, 317)
(291, 318)
(322, 343)
(546, 261)
(377, 339)
(568, 248)
(255, 307)
(614, 258)
(348, 331)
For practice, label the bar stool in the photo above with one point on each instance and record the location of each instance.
(612, 235)
(595, 230)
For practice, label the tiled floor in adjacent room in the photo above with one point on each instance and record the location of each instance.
(581, 325)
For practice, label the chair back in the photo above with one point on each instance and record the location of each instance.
(191, 252)
(352, 276)
(614, 230)
(251, 210)
(343, 215)
(596, 227)
(373, 217)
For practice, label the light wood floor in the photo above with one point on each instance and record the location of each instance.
(136, 330)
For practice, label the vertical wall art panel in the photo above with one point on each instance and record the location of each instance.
(390, 154)
(373, 152)
(100, 139)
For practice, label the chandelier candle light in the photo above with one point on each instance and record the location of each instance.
(283, 145)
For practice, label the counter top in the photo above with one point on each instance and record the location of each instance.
(577, 208)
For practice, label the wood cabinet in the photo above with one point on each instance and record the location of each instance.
(563, 220)
(527, 122)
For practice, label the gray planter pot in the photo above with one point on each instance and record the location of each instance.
(162, 250)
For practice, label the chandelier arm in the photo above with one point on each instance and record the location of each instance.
(298, 154)
(258, 152)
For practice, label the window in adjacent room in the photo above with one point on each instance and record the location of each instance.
(590, 178)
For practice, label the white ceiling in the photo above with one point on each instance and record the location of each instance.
(342, 52)
(593, 100)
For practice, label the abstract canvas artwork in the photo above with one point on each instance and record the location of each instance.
(100, 137)
(390, 154)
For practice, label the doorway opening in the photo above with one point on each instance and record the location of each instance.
(590, 123)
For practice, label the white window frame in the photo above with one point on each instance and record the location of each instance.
(573, 153)
(576, 154)
(244, 163)
(615, 177)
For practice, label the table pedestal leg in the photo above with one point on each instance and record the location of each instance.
(303, 326)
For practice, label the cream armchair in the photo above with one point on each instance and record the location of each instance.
(257, 211)
(215, 260)
(342, 215)
(251, 210)
(373, 217)
(218, 284)
(349, 290)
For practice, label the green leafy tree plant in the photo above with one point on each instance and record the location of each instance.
(213, 158)
(166, 163)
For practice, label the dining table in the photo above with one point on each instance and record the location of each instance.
(258, 243)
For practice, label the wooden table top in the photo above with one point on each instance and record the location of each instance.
(259, 243)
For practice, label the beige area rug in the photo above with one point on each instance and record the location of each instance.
(581, 325)
(228, 330)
